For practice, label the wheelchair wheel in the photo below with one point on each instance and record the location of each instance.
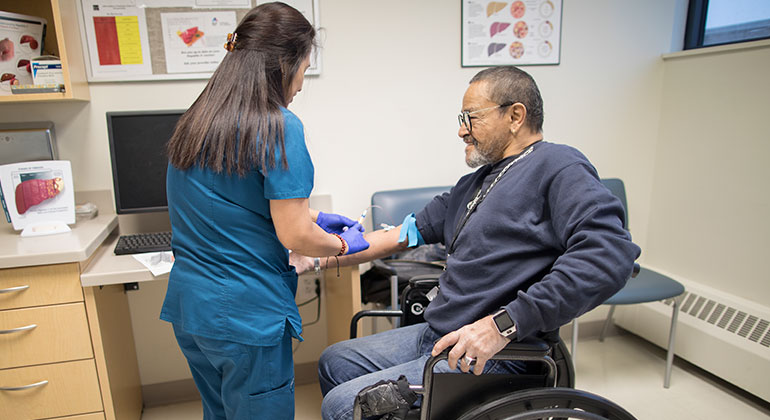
(543, 403)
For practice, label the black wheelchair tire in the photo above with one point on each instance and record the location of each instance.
(549, 402)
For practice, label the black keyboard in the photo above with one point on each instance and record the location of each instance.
(143, 242)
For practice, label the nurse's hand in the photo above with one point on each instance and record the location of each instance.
(355, 239)
(300, 262)
(335, 223)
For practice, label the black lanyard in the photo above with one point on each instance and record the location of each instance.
(478, 198)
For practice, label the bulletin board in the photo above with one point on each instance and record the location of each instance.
(136, 40)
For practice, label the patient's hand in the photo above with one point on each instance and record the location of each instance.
(478, 341)
(300, 262)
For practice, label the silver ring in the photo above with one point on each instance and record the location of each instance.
(469, 360)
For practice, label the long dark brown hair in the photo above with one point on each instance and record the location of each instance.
(236, 123)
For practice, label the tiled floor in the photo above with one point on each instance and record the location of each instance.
(625, 369)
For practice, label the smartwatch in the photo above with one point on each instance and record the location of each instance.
(505, 325)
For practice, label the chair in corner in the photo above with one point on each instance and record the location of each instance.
(647, 286)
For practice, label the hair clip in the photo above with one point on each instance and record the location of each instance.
(230, 44)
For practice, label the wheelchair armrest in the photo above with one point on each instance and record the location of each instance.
(424, 280)
(388, 313)
(529, 349)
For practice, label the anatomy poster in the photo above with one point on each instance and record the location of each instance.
(116, 34)
(21, 39)
(194, 41)
(521, 32)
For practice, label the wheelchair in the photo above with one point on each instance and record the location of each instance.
(545, 390)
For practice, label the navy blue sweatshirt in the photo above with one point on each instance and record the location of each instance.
(547, 243)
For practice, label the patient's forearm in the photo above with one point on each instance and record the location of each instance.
(381, 244)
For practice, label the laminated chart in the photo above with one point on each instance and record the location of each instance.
(117, 40)
(520, 32)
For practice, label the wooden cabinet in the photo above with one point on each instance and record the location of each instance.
(62, 40)
(72, 388)
(65, 352)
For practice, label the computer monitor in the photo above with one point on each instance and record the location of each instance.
(138, 155)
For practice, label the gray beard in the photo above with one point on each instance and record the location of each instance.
(478, 158)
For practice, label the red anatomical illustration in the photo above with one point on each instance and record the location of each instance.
(10, 78)
(24, 64)
(34, 191)
(30, 40)
(190, 36)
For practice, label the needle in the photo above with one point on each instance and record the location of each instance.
(360, 219)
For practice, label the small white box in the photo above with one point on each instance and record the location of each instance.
(47, 70)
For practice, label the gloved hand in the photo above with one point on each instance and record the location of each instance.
(335, 223)
(355, 238)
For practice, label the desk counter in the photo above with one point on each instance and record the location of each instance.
(108, 268)
(75, 246)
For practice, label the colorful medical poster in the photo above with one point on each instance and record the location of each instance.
(21, 40)
(521, 32)
(193, 41)
(116, 33)
(117, 40)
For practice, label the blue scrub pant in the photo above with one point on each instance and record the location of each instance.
(240, 382)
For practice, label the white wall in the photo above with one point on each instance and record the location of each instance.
(383, 113)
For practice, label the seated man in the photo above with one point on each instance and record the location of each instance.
(533, 240)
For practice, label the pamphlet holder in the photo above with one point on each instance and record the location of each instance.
(50, 227)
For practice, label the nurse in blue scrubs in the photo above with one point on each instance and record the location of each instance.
(238, 183)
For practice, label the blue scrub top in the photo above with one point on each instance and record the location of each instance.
(231, 278)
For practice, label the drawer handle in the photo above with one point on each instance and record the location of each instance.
(14, 289)
(20, 329)
(21, 388)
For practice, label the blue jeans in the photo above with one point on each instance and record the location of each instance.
(349, 366)
(240, 382)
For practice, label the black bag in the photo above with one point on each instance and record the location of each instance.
(375, 282)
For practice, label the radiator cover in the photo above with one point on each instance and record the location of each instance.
(718, 332)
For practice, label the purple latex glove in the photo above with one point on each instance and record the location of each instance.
(355, 238)
(335, 223)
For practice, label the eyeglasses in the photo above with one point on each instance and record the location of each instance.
(464, 118)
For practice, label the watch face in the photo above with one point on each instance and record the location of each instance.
(503, 321)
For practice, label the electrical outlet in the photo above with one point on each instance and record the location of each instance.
(306, 285)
